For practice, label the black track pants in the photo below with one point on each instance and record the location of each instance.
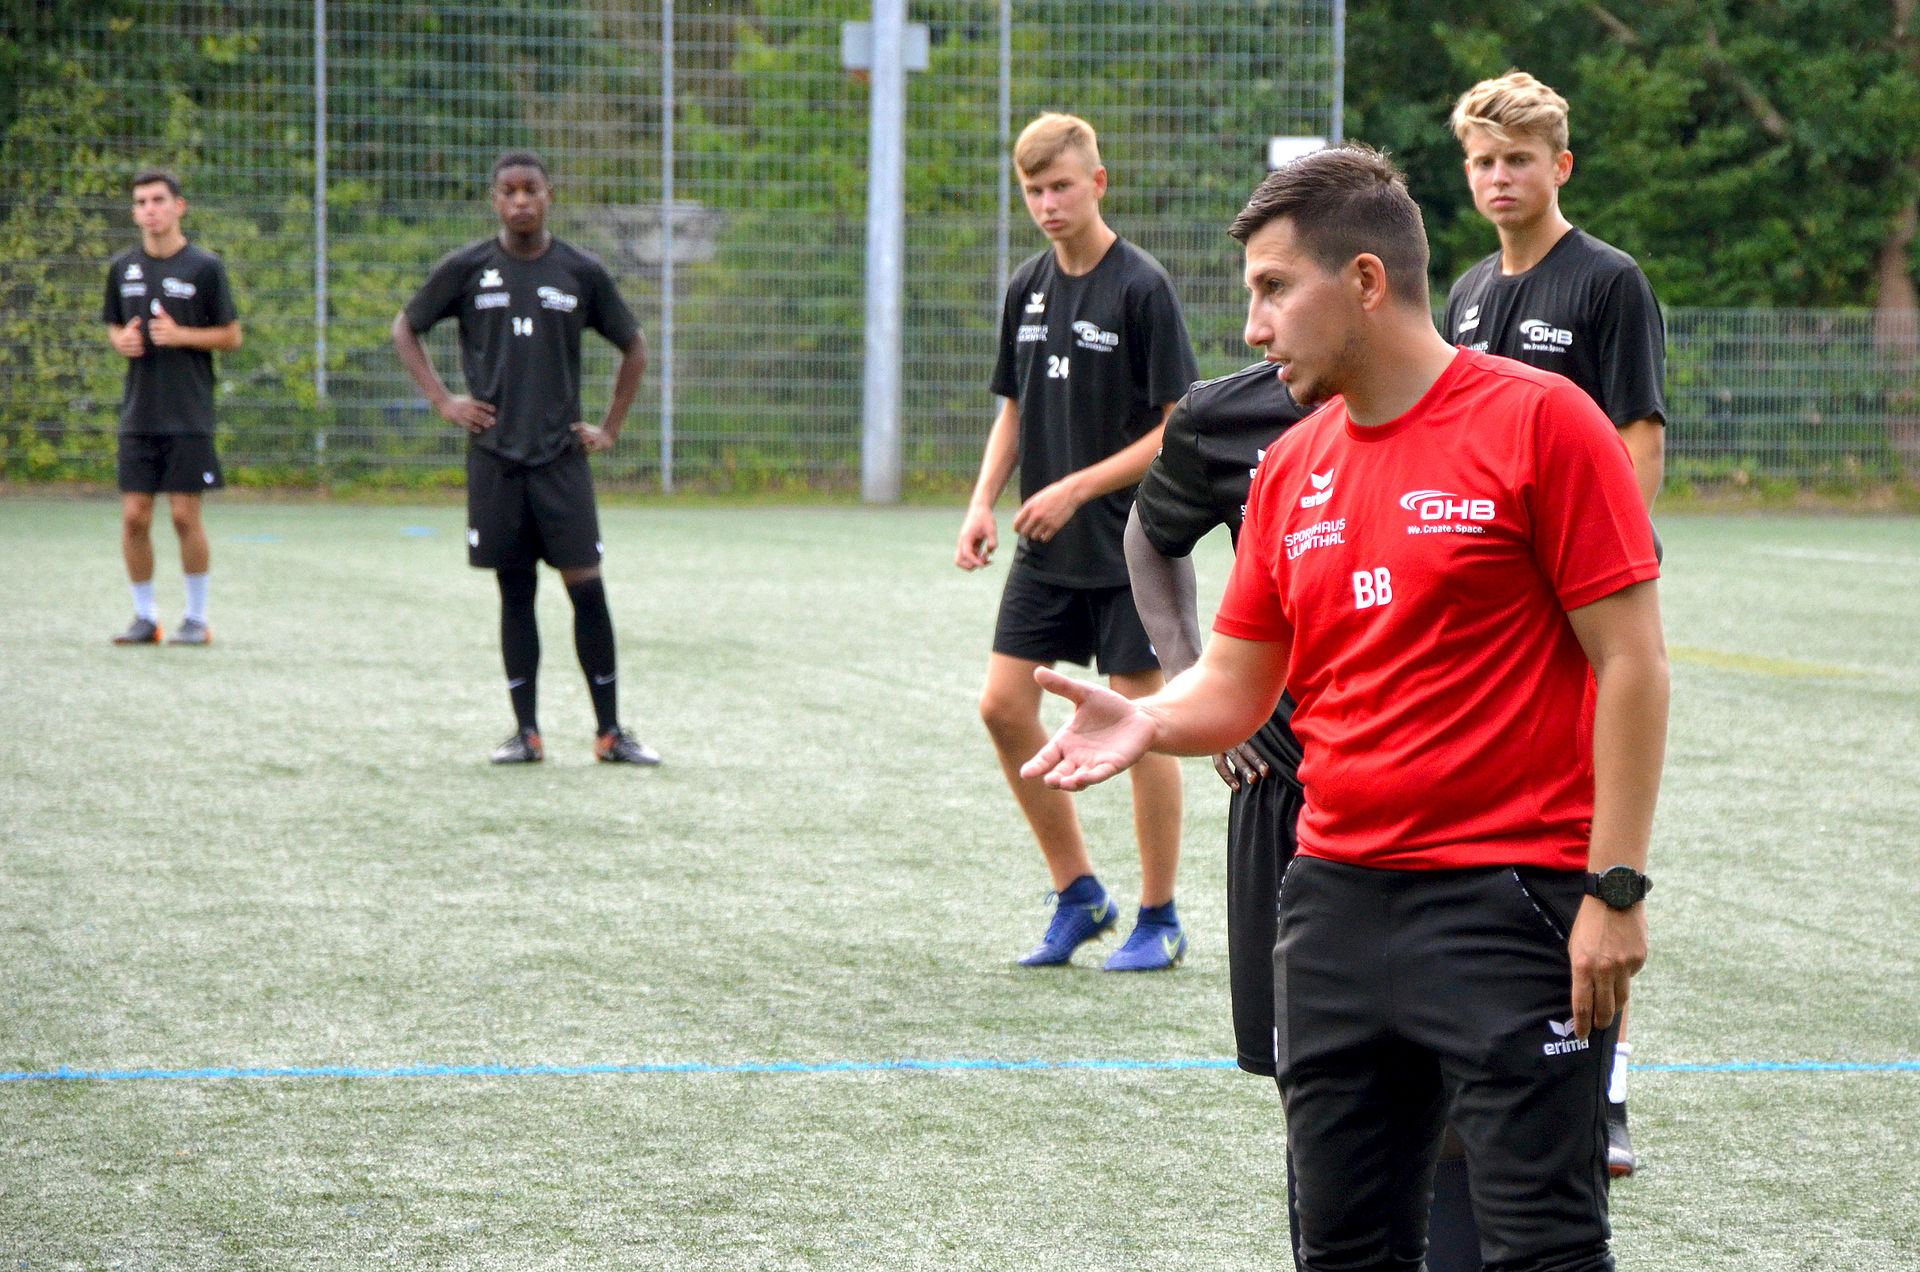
(1401, 994)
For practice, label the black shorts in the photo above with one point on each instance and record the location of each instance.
(168, 463)
(1403, 994)
(1049, 622)
(1261, 821)
(518, 516)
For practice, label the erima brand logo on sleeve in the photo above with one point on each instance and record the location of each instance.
(1036, 302)
(554, 298)
(1442, 511)
(1567, 1044)
(1322, 487)
(491, 278)
(493, 300)
(1087, 336)
(1543, 337)
(177, 288)
(1468, 320)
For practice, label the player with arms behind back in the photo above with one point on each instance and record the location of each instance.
(1557, 298)
(523, 298)
(167, 308)
(1093, 353)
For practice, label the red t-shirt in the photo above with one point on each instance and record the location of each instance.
(1423, 570)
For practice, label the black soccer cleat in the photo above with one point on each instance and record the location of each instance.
(1620, 1155)
(143, 631)
(522, 748)
(617, 746)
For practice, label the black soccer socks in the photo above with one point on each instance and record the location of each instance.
(520, 640)
(593, 641)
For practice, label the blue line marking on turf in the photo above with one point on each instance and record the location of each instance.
(253, 538)
(419, 532)
(63, 1073)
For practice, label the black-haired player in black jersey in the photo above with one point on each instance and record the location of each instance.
(1557, 298)
(1093, 353)
(168, 308)
(523, 298)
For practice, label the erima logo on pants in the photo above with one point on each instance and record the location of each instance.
(473, 538)
(1567, 1044)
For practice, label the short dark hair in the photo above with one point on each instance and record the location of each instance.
(1344, 201)
(518, 159)
(155, 176)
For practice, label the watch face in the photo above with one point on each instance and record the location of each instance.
(1621, 887)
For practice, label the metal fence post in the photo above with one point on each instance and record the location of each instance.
(1002, 225)
(320, 224)
(886, 235)
(666, 246)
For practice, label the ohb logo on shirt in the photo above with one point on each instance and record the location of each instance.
(1442, 505)
(1087, 336)
(1544, 336)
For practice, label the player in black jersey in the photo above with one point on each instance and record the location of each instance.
(167, 308)
(522, 299)
(1093, 353)
(1555, 297)
(1214, 441)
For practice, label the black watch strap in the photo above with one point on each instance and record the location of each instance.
(1620, 887)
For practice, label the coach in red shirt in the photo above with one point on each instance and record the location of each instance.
(1432, 562)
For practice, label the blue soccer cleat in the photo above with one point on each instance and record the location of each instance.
(1084, 913)
(1153, 946)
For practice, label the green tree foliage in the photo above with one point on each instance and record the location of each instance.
(1747, 154)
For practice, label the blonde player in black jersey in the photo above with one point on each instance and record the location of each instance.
(1558, 298)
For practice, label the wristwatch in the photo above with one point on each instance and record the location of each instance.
(1621, 887)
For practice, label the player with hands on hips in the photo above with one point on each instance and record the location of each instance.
(523, 299)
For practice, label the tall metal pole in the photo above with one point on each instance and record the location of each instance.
(886, 239)
(1003, 209)
(666, 246)
(320, 219)
(1336, 123)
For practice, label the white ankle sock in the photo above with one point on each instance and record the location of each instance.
(196, 597)
(143, 606)
(1617, 1086)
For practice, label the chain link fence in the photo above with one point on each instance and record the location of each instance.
(333, 149)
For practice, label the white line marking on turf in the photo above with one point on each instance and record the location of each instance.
(1836, 554)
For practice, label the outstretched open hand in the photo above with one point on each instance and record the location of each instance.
(1106, 735)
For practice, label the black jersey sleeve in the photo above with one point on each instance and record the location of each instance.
(110, 302)
(1452, 313)
(608, 313)
(1004, 383)
(439, 297)
(1164, 359)
(1173, 501)
(1632, 350)
(220, 309)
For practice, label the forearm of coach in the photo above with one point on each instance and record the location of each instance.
(1622, 637)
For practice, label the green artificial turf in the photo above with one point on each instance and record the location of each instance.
(288, 850)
